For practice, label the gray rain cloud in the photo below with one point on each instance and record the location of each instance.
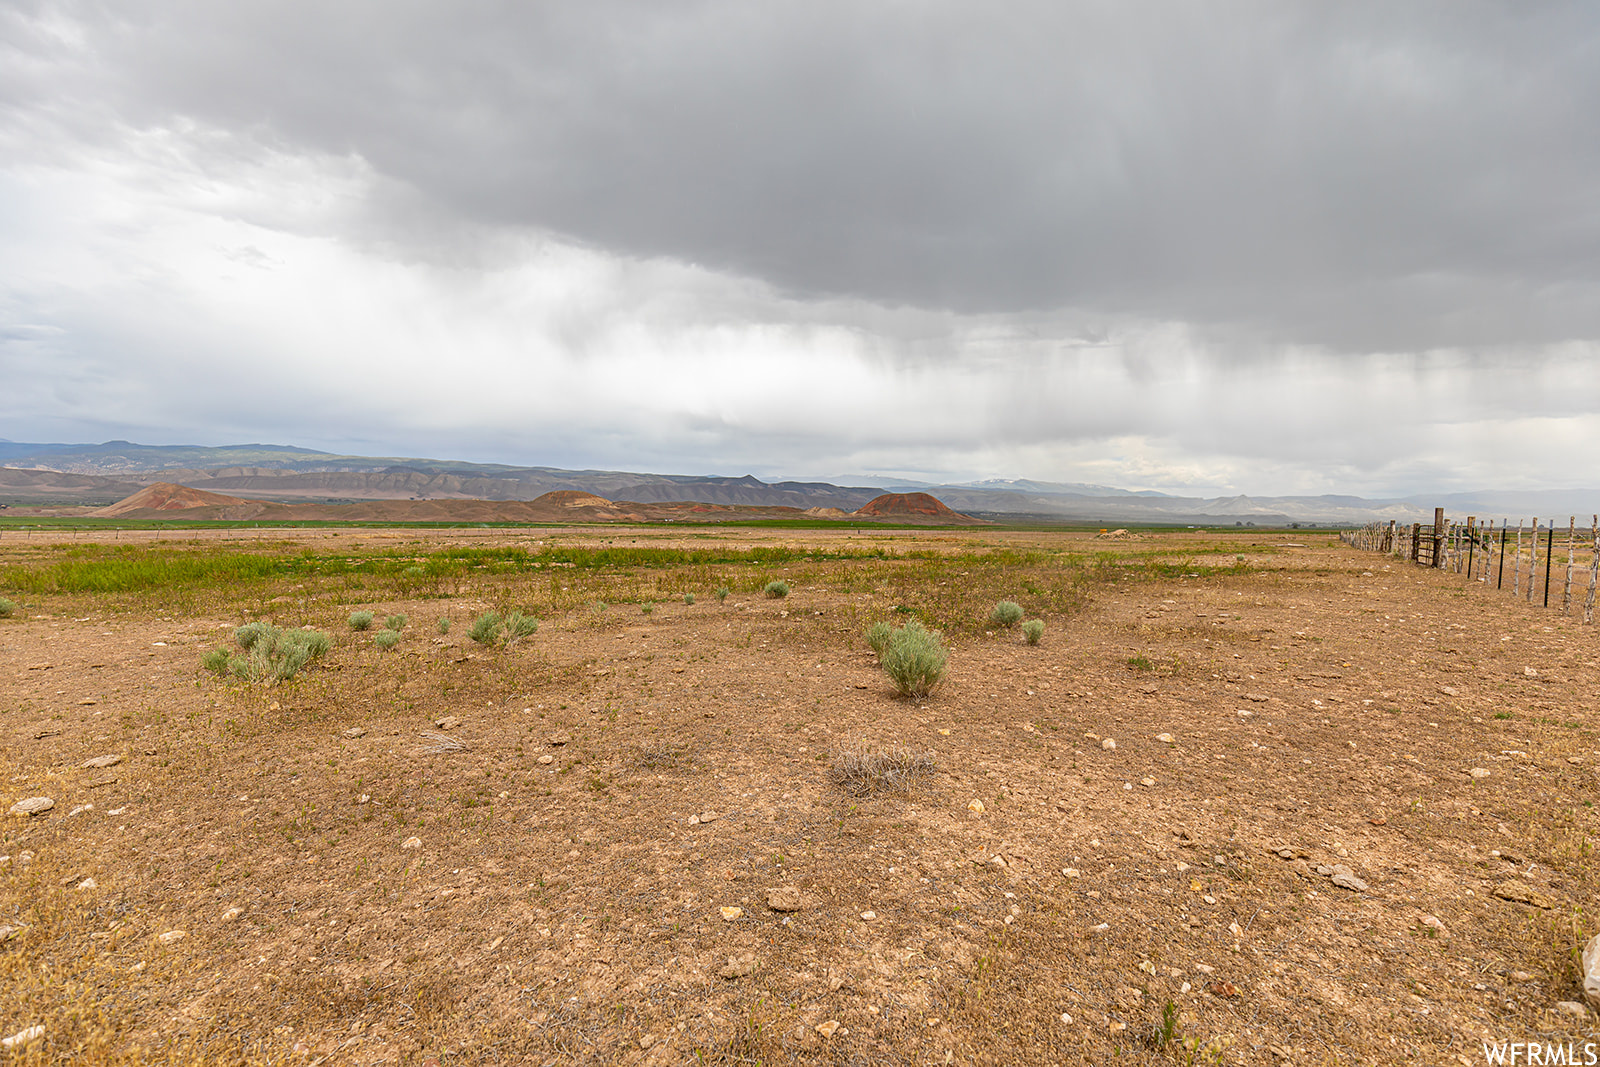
(1210, 244)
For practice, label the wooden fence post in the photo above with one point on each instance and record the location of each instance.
(1594, 568)
(1516, 564)
(1566, 590)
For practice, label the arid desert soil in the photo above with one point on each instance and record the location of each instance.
(1318, 807)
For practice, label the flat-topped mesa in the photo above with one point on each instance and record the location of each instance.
(890, 505)
(572, 498)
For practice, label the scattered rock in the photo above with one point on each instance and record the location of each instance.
(355, 731)
(23, 1037)
(1449, 690)
(829, 1028)
(783, 898)
(170, 936)
(230, 915)
(708, 816)
(88, 883)
(1435, 923)
(1572, 1008)
(1480, 772)
(1591, 971)
(1165, 739)
(1530, 672)
(547, 759)
(411, 842)
(1109, 743)
(731, 913)
(87, 702)
(1523, 894)
(869, 915)
(1071, 872)
(80, 809)
(32, 806)
(1343, 877)
(1147, 781)
(646, 1040)
(738, 966)
(559, 738)
(103, 761)
(449, 722)
(976, 807)
(1223, 989)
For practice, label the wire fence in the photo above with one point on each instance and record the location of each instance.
(1521, 560)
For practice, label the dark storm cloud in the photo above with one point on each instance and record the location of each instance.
(1365, 176)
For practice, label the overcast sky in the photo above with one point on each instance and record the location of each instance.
(1212, 247)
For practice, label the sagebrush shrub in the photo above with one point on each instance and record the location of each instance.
(271, 654)
(386, 639)
(247, 635)
(722, 593)
(7, 608)
(361, 620)
(1033, 629)
(1006, 613)
(486, 628)
(444, 626)
(395, 622)
(878, 635)
(777, 589)
(688, 598)
(914, 659)
(518, 625)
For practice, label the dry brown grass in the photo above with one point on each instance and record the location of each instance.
(562, 911)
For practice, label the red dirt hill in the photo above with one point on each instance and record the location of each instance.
(167, 496)
(911, 506)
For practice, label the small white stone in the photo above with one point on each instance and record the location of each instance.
(869, 915)
(23, 1037)
(1480, 772)
(170, 936)
(411, 842)
(88, 883)
(547, 759)
(1147, 781)
(1109, 743)
(231, 914)
(1067, 1019)
(1165, 739)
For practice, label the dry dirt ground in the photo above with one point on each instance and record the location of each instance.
(238, 886)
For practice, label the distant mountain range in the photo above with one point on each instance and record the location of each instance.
(63, 474)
